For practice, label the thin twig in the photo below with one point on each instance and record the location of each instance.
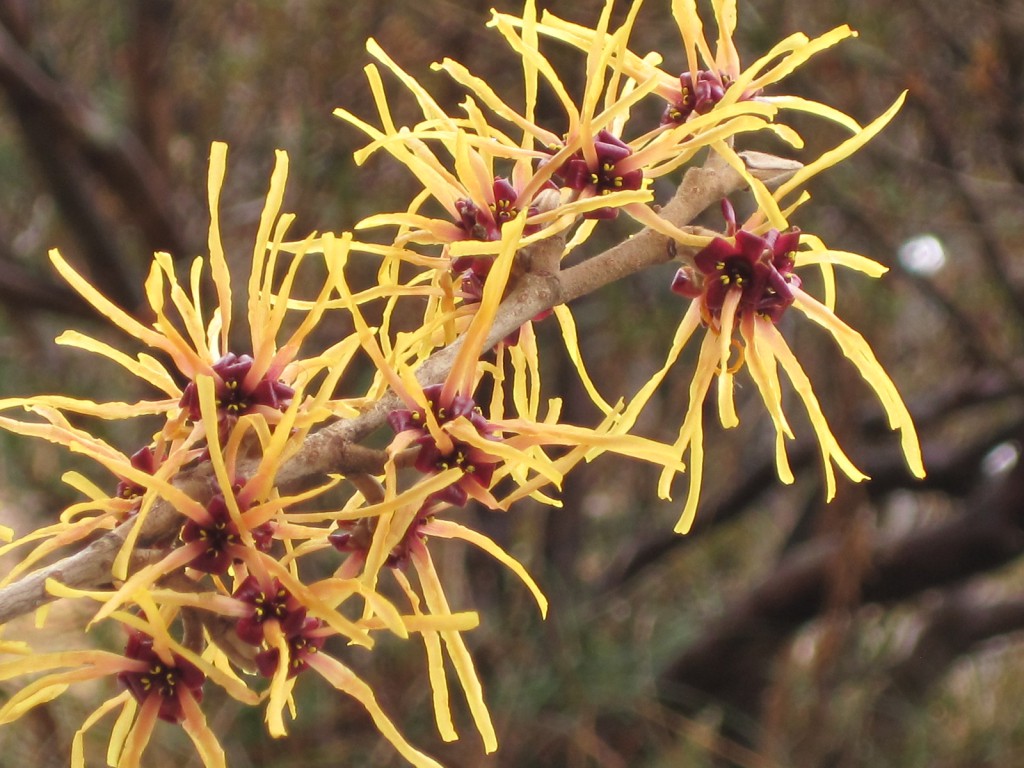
(334, 448)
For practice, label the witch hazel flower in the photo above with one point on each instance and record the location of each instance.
(197, 342)
(288, 626)
(167, 682)
(740, 286)
(472, 271)
(714, 86)
(105, 505)
(301, 644)
(217, 542)
(698, 95)
(160, 680)
(144, 460)
(757, 268)
(436, 454)
(503, 204)
(588, 154)
(237, 522)
(481, 177)
(398, 540)
(600, 168)
(239, 391)
(269, 601)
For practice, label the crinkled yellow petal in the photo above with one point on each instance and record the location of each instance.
(543, 66)
(218, 264)
(188, 310)
(493, 101)
(830, 449)
(797, 104)
(140, 733)
(78, 741)
(691, 433)
(274, 306)
(258, 303)
(109, 411)
(430, 108)
(683, 334)
(186, 357)
(614, 441)
(692, 31)
(30, 697)
(819, 254)
(15, 646)
(787, 134)
(646, 216)
(346, 681)
(799, 52)
(86, 487)
(206, 743)
(456, 646)
(841, 152)
(435, 667)
(145, 367)
(526, 373)
(726, 58)
(447, 529)
(102, 661)
(460, 379)
(112, 312)
(726, 402)
(279, 693)
(763, 371)
(122, 727)
(724, 132)
(859, 352)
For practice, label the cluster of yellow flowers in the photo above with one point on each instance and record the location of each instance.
(219, 521)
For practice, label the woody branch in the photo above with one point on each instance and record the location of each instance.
(336, 448)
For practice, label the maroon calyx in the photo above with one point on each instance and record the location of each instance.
(169, 682)
(305, 642)
(472, 272)
(477, 465)
(222, 538)
(697, 96)
(233, 397)
(486, 223)
(607, 176)
(143, 460)
(272, 602)
(759, 267)
(356, 536)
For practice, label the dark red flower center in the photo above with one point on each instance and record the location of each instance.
(607, 175)
(143, 460)
(477, 465)
(305, 642)
(166, 681)
(221, 537)
(486, 223)
(271, 603)
(233, 397)
(357, 536)
(696, 96)
(759, 267)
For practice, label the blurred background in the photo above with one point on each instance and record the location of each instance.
(881, 630)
